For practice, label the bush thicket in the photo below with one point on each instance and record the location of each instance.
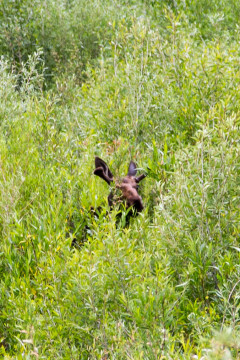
(157, 82)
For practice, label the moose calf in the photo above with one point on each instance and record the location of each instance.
(123, 194)
(125, 191)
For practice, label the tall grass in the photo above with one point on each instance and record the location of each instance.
(158, 92)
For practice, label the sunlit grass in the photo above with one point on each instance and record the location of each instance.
(166, 95)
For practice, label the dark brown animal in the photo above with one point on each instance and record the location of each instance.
(126, 190)
(124, 197)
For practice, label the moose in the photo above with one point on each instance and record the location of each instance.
(125, 191)
(123, 196)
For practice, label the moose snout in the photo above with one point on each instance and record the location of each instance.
(132, 197)
(138, 205)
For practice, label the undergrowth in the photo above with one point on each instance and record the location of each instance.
(155, 82)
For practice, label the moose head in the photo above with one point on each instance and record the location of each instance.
(125, 190)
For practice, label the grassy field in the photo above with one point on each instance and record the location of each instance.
(157, 82)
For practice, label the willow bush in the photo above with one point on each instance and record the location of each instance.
(153, 82)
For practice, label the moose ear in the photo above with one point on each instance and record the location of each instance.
(102, 170)
(140, 177)
(132, 170)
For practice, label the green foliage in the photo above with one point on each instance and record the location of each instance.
(157, 82)
(70, 33)
(210, 18)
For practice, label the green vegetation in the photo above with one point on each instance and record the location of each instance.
(153, 81)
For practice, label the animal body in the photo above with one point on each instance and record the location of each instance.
(123, 196)
(125, 190)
